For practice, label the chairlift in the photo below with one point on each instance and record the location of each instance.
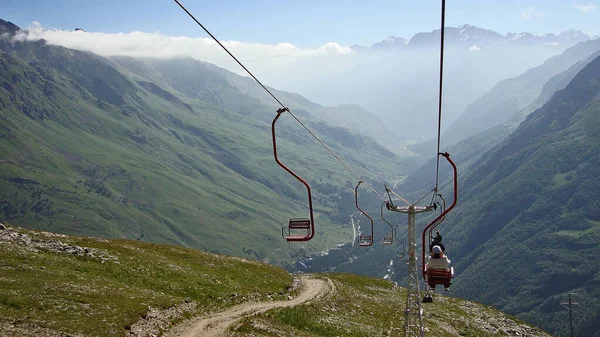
(297, 229)
(435, 276)
(366, 239)
(387, 240)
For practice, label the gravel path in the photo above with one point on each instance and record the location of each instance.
(217, 324)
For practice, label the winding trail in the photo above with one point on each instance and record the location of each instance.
(216, 324)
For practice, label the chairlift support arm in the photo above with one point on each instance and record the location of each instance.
(368, 238)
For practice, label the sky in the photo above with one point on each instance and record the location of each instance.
(303, 23)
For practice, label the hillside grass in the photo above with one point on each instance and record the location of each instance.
(365, 307)
(105, 294)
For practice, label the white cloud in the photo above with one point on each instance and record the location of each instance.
(585, 8)
(530, 13)
(255, 56)
(474, 48)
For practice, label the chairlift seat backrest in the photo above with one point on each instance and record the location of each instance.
(299, 223)
(365, 240)
(439, 276)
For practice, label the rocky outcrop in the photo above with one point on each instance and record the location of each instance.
(51, 242)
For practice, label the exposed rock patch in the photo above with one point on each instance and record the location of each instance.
(30, 330)
(48, 242)
(493, 322)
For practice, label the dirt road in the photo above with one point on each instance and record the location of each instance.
(217, 324)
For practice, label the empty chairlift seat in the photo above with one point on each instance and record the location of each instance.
(365, 240)
(298, 229)
(387, 240)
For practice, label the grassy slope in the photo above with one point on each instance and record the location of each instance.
(363, 306)
(104, 294)
(93, 296)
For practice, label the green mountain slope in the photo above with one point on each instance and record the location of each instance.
(133, 149)
(209, 83)
(526, 229)
(57, 285)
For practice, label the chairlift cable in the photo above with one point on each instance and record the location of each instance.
(439, 131)
(423, 197)
(277, 100)
(388, 190)
(228, 52)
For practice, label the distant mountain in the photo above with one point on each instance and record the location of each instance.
(355, 117)
(216, 84)
(554, 84)
(511, 95)
(572, 36)
(390, 43)
(469, 150)
(465, 34)
(7, 27)
(470, 36)
(398, 81)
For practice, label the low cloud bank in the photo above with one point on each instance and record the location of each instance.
(259, 57)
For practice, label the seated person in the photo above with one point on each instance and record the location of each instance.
(438, 261)
(437, 241)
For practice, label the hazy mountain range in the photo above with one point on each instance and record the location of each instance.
(398, 79)
(472, 36)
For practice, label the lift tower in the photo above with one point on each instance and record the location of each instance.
(413, 314)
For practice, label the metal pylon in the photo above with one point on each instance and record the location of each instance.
(413, 314)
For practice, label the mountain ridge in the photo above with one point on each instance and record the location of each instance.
(475, 36)
(477, 116)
